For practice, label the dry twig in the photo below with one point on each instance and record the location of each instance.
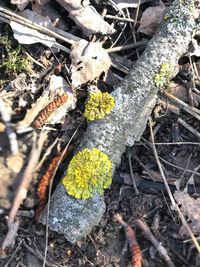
(131, 171)
(27, 176)
(134, 247)
(12, 221)
(147, 232)
(189, 127)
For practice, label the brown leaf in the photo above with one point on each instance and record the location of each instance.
(89, 60)
(86, 17)
(190, 208)
(151, 19)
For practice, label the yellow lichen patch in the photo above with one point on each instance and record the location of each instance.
(89, 171)
(164, 74)
(99, 105)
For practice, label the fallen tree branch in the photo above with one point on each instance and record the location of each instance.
(134, 99)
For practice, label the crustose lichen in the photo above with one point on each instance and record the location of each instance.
(88, 172)
(99, 105)
(164, 74)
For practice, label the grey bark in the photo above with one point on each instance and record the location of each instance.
(134, 99)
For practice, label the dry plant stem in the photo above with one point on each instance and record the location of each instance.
(27, 176)
(134, 247)
(13, 254)
(131, 171)
(133, 27)
(179, 143)
(170, 164)
(122, 13)
(174, 205)
(54, 32)
(119, 18)
(9, 129)
(189, 128)
(86, 259)
(177, 167)
(180, 102)
(148, 234)
(34, 60)
(38, 255)
(126, 47)
(46, 153)
(191, 178)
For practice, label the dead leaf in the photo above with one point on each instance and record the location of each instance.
(89, 61)
(25, 35)
(151, 19)
(86, 17)
(190, 208)
(21, 4)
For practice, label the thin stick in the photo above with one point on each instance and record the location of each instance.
(38, 255)
(119, 18)
(126, 47)
(179, 143)
(13, 254)
(165, 161)
(133, 244)
(147, 232)
(174, 205)
(131, 171)
(177, 100)
(27, 176)
(189, 127)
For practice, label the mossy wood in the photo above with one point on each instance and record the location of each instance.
(134, 99)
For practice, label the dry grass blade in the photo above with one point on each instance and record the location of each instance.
(174, 205)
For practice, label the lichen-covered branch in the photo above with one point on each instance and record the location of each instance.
(134, 99)
(123, 126)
